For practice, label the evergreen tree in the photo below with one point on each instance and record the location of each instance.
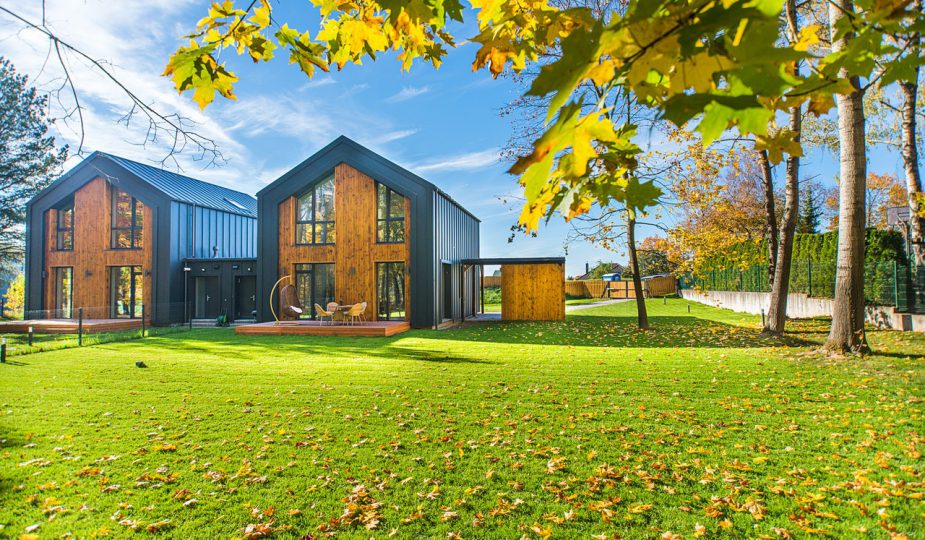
(28, 157)
(809, 212)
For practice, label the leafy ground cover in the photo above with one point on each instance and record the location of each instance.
(700, 427)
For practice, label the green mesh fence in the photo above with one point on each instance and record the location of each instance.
(887, 283)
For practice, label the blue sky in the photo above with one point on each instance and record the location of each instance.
(442, 124)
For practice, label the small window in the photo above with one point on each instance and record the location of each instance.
(315, 215)
(236, 204)
(390, 216)
(127, 221)
(64, 227)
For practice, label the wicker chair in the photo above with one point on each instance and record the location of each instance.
(290, 308)
(355, 312)
(321, 314)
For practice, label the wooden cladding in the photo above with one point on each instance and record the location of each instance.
(533, 292)
(91, 256)
(355, 251)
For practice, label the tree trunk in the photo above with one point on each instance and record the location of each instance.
(780, 288)
(847, 333)
(641, 314)
(910, 155)
(777, 312)
(770, 213)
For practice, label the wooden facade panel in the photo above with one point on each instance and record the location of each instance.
(355, 251)
(533, 292)
(92, 255)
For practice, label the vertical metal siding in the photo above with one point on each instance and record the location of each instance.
(456, 237)
(197, 229)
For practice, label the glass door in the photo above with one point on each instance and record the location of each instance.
(126, 292)
(64, 292)
(314, 284)
(390, 291)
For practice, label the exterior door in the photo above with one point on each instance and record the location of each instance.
(245, 297)
(447, 291)
(207, 301)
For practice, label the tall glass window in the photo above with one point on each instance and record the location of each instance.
(390, 216)
(390, 291)
(126, 286)
(64, 227)
(127, 221)
(315, 215)
(314, 284)
(64, 292)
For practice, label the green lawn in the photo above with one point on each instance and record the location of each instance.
(572, 429)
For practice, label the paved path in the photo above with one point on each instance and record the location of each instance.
(595, 304)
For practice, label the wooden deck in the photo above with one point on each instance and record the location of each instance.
(68, 326)
(314, 328)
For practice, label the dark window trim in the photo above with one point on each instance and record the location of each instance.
(328, 226)
(135, 230)
(59, 230)
(389, 218)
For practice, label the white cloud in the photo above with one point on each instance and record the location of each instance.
(461, 162)
(407, 93)
(136, 53)
(394, 136)
(317, 82)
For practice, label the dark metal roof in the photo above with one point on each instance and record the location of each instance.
(359, 149)
(513, 260)
(190, 190)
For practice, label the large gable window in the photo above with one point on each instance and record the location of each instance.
(390, 216)
(127, 221)
(64, 227)
(315, 215)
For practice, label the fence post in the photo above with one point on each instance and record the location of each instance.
(895, 285)
(142, 320)
(809, 274)
(80, 326)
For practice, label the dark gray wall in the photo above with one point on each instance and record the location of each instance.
(456, 237)
(226, 270)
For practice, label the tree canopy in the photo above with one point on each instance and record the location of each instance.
(28, 157)
(719, 65)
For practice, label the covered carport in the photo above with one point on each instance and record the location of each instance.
(532, 289)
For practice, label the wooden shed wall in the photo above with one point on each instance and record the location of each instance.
(533, 292)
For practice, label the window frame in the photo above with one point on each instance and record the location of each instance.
(136, 222)
(136, 301)
(58, 272)
(329, 227)
(389, 218)
(311, 273)
(62, 232)
(389, 309)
